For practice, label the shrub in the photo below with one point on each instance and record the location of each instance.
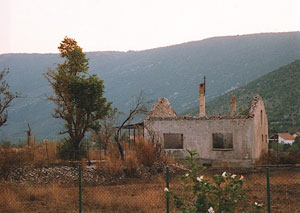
(224, 193)
(112, 165)
(67, 152)
(146, 152)
(131, 164)
(9, 159)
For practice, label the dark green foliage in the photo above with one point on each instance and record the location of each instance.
(286, 153)
(78, 97)
(295, 147)
(297, 142)
(67, 151)
(280, 147)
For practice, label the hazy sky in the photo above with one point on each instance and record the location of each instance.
(97, 25)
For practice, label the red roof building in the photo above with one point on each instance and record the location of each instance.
(286, 138)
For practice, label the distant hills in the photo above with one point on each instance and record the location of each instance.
(174, 72)
(280, 91)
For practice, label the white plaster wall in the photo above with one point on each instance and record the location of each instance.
(260, 128)
(282, 140)
(197, 135)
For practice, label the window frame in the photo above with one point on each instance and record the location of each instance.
(222, 149)
(171, 133)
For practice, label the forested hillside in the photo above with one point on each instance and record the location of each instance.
(280, 90)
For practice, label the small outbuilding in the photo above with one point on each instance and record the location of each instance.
(285, 138)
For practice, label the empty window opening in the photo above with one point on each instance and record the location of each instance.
(222, 141)
(261, 117)
(173, 141)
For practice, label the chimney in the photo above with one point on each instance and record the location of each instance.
(233, 105)
(202, 99)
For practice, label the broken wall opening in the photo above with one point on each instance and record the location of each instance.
(173, 141)
(222, 141)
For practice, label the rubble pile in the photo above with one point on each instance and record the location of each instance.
(91, 175)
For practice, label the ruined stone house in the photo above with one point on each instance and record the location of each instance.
(232, 140)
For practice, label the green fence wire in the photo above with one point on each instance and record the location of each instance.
(277, 188)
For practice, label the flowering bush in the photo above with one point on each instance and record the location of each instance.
(222, 193)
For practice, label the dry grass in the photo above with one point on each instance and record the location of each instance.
(284, 188)
(55, 198)
(131, 163)
(47, 153)
(144, 196)
(141, 153)
(140, 197)
(125, 198)
(25, 198)
(145, 152)
(96, 155)
(39, 154)
(43, 153)
(112, 165)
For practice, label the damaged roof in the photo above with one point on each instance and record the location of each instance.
(162, 109)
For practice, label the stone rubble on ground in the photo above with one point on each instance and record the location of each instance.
(91, 175)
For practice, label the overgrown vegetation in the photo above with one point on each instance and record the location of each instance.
(226, 191)
(141, 154)
(221, 193)
(285, 153)
(44, 153)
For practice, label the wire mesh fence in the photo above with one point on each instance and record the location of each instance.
(135, 195)
(284, 187)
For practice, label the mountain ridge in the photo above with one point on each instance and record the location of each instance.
(154, 48)
(173, 72)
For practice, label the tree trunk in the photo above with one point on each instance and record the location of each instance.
(76, 149)
(120, 150)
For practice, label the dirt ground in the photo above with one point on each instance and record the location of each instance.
(143, 195)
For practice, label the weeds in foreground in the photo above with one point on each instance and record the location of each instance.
(44, 153)
(60, 198)
(140, 154)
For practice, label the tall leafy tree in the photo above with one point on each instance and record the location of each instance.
(6, 97)
(78, 96)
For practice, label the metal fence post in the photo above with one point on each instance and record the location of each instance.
(167, 191)
(79, 187)
(268, 190)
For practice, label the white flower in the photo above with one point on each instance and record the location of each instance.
(224, 174)
(187, 174)
(199, 179)
(166, 189)
(257, 204)
(242, 177)
(233, 176)
(211, 210)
